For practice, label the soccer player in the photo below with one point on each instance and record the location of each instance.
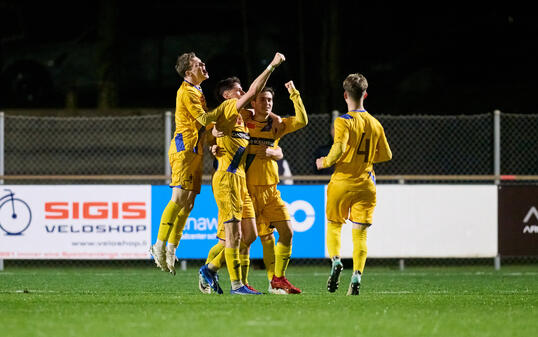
(236, 214)
(262, 180)
(185, 154)
(248, 221)
(359, 142)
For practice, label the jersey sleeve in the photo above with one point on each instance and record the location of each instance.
(382, 151)
(225, 109)
(341, 137)
(230, 109)
(300, 120)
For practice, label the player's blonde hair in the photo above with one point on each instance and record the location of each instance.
(355, 85)
(183, 63)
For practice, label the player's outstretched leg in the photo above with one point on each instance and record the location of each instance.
(355, 284)
(334, 278)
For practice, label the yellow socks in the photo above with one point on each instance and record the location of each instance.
(244, 258)
(233, 263)
(269, 256)
(282, 258)
(177, 229)
(214, 252)
(245, 265)
(217, 261)
(167, 220)
(334, 235)
(359, 249)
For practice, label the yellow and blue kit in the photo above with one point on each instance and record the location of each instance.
(359, 142)
(262, 173)
(186, 147)
(229, 183)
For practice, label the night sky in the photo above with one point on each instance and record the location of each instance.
(443, 59)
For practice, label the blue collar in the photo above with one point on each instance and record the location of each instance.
(197, 87)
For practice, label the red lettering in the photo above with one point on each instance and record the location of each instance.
(135, 212)
(115, 210)
(95, 210)
(56, 210)
(75, 210)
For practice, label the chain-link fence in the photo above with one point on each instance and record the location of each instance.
(84, 146)
(519, 144)
(41, 147)
(421, 145)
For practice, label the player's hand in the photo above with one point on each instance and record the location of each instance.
(319, 163)
(277, 60)
(290, 86)
(277, 124)
(216, 150)
(263, 152)
(216, 133)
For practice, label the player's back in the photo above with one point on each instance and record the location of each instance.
(365, 137)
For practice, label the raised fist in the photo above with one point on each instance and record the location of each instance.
(290, 86)
(278, 59)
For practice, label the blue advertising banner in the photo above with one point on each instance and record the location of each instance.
(306, 204)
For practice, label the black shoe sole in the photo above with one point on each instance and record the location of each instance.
(334, 279)
(355, 289)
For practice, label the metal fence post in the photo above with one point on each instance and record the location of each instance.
(167, 138)
(497, 262)
(497, 163)
(497, 144)
(1, 146)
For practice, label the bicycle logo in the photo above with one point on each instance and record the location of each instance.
(15, 214)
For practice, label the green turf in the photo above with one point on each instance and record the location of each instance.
(449, 301)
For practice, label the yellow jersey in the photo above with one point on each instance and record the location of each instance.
(190, 105)
(359, 142)
(235, 139)
(264, 171)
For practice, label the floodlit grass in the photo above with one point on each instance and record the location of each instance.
(420, 301)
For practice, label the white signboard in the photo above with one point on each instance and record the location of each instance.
(431, 221)
(75, 222)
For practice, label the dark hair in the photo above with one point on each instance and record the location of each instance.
(183, 63)
(223, 85)
(355, 85)
(266, 89)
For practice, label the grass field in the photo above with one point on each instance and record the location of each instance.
(140, 301)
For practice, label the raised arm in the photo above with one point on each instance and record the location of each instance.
(341, 137)
(259, 82)
(300, 111)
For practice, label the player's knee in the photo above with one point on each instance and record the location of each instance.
(268, 237)
(285, 232)
(249, 238)
(236, 237)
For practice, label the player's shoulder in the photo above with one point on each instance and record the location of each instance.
(374, 120)
(346, 116)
